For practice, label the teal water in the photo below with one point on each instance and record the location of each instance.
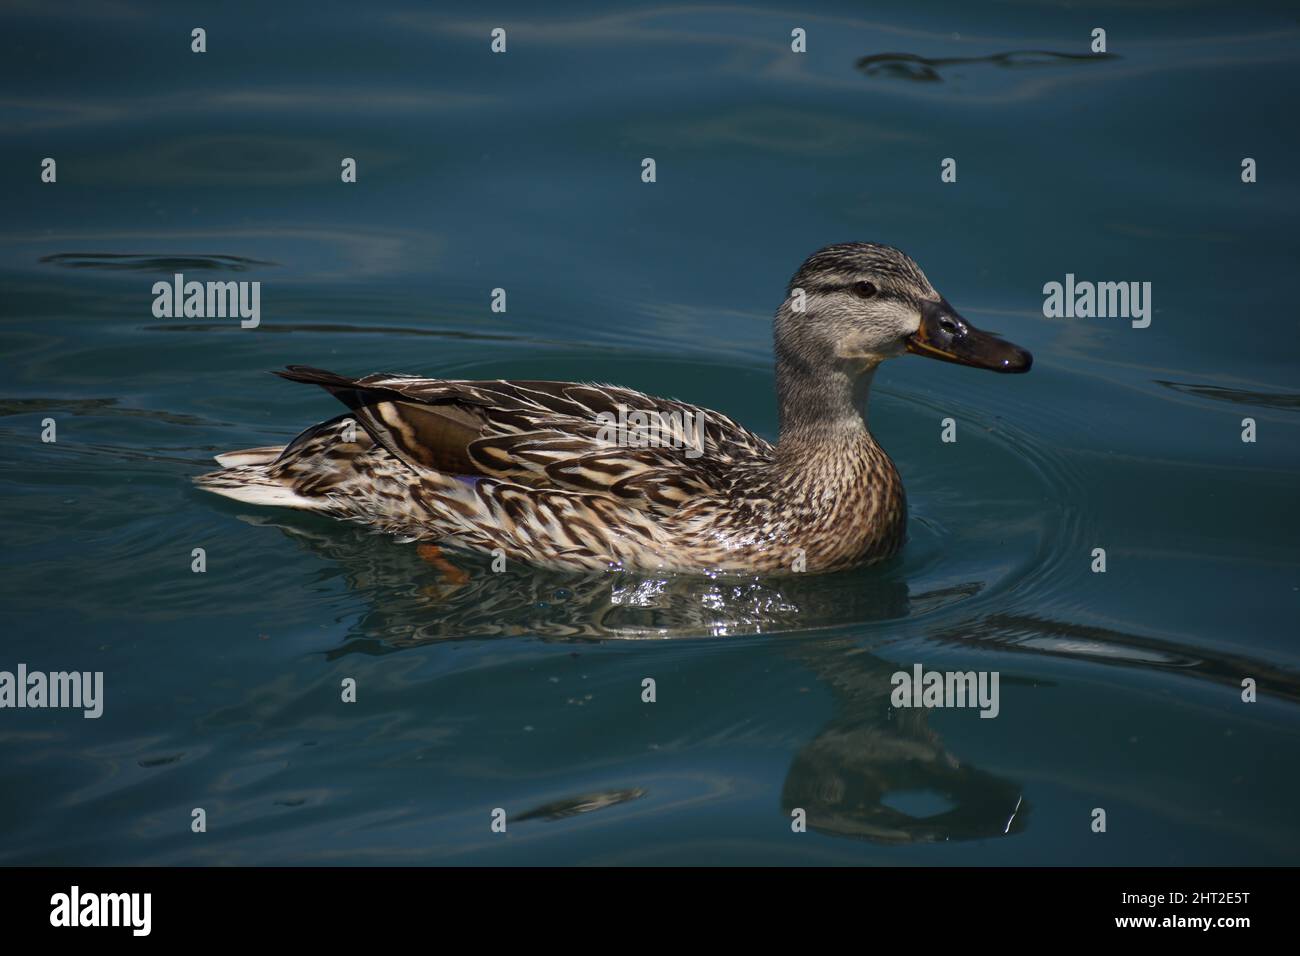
(522, 691)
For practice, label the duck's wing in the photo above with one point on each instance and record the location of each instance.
(557, 435)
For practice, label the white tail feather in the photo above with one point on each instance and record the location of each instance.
(277, 496)
(251, 486)
(249, 456)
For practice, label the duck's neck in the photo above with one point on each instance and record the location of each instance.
(823, 411)
(843, 495)
(839, 496)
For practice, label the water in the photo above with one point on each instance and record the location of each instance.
(523, 691)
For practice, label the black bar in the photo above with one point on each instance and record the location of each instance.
(332, 905)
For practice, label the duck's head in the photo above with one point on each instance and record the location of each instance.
(855, 304)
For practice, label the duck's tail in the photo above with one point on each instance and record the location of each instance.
(299, 475)
(247, 478)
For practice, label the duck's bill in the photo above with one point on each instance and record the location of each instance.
(946, 335)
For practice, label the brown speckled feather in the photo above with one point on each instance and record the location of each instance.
(522, 468)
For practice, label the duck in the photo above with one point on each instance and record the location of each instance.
(586, 476)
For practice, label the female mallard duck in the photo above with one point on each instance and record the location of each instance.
(568, 474)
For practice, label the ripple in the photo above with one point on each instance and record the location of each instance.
(153, 262)
(95, 406)
(586, 803)
(922, 69)
(1043, 499)
(1037, 634)
(323, 328)
(1237, 396)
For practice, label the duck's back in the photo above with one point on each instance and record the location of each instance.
(550, 472)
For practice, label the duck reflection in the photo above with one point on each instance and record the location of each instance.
(873, 772)
(882, 774)
(869, 773)
(411, 601)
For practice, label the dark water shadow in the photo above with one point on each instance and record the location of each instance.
(922, 69)
(95, 406)
(153, 262)
(568, 807)
(1237, 396)
(1030, 634)
(322, 328)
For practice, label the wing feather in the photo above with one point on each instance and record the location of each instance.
(544, 435)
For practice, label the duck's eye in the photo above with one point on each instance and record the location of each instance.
(864, 290)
